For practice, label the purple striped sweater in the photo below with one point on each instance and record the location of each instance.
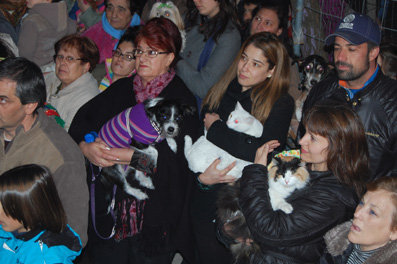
(132, 122)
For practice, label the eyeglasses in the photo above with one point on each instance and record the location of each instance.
(68, 59)
(149, 53)
(127, 57)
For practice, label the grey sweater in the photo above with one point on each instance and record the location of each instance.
(41, 28)
(222, 56)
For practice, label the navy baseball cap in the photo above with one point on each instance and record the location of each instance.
(356, 28)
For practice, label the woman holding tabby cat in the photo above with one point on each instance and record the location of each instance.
(335, 151)
(258, 79)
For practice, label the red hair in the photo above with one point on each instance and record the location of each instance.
(161, 33)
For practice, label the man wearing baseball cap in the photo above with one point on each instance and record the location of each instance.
(360, 83)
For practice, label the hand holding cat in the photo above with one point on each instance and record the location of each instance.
(213, 176)
(264, 150)
(209, 119)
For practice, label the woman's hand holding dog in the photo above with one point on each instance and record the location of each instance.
(99, 154)
(264, 150)
(213, 176)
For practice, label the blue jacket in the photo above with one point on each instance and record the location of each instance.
(39, 247)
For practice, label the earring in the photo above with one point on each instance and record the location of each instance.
(269, 76)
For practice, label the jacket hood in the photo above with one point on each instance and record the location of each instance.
(336, 239)
(54, 13)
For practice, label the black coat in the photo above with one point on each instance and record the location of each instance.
(376, 106)
(295, 237)
(167, 208)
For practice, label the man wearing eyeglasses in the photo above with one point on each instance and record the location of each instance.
(28, 136)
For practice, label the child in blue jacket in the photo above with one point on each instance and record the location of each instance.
(33, 225)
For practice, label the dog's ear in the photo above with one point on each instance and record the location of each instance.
(152, 102)
(151, 105)
(188, 110)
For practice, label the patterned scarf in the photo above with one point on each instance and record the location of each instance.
(153, 88)
(13, 12)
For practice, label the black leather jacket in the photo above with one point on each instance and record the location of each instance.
(376, 106)
(296, 237)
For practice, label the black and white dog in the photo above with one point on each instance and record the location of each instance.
(162, 119)
(313, 69)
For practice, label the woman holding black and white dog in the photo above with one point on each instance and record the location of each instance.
(164, 228)
(258, 79)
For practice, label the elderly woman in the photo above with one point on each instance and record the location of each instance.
(165, 225)
(335, 151)
(72, 84)
(372, 235)
(118, 16)
(122, 63)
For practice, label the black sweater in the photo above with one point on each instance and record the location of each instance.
(241, 145)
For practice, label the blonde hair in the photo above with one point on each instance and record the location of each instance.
(265, 94)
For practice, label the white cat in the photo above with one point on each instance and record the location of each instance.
(202, 153)
(286, 174)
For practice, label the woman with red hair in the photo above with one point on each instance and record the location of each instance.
(148, 231)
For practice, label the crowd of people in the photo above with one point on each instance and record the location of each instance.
(88, 63)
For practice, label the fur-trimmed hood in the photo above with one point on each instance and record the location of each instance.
(337, 242)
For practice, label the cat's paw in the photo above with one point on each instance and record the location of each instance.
(286, 208)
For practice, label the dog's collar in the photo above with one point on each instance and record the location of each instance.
(158, 130)
(143, 129)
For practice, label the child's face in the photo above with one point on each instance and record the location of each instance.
(9, 224)
(31, 3)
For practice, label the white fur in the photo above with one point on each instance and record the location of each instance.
(202, 153)
(172, 144)
(282, 188)
(127, 187)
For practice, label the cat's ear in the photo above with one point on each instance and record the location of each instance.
(276, 161)
(238, 106)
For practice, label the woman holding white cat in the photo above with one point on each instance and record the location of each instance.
(336, 177)
(258, 80)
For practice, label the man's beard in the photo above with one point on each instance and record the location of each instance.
(351, 75)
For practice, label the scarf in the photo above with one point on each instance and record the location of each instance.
(117, 33)
(13, 12)
(153, 88)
